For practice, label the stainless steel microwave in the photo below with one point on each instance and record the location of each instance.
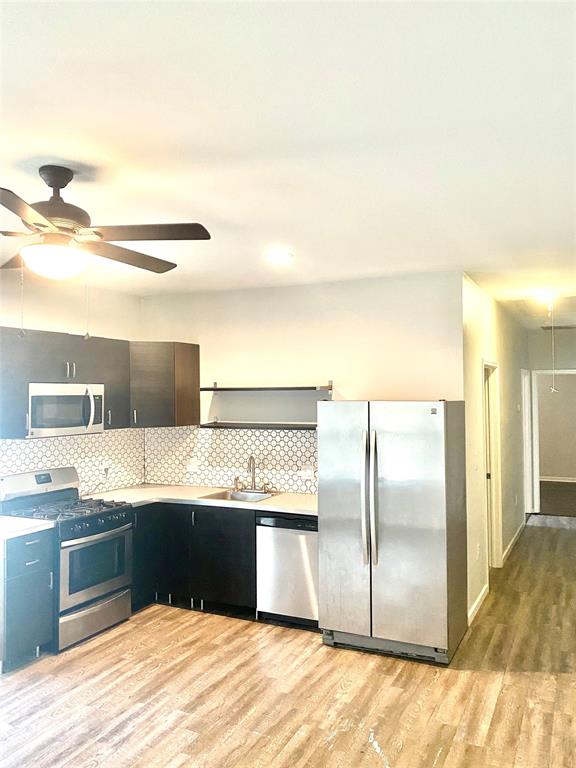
(65, 409)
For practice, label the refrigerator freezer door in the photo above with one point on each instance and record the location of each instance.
(409, 587)
(344, 571)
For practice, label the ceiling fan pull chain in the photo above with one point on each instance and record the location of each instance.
(87, 306)
(22, 332)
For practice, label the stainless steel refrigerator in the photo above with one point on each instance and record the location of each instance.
(392, 526)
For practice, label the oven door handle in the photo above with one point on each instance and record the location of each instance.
(96, 537)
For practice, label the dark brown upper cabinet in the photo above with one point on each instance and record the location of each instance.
(47, 357)
(164, 384)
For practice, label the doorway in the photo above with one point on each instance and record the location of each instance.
(491, 400)
(554, 442)
(527, 442)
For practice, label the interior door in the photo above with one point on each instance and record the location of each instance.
(409, 584)
(344, 570)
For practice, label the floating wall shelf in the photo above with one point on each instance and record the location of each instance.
(263, 407)
(255, 425)
(216, 388)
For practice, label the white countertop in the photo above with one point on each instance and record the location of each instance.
(12, 527)
(138, 495)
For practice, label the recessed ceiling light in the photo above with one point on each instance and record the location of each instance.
(279, 256)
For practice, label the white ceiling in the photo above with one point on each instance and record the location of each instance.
(536, 314)
(368, 137)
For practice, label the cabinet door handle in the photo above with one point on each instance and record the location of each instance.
(32, 541)
(193, 517)
(67, 370)
(109, 417)
(73, 370)
(135, 416)
(32, 562)
(51, 579)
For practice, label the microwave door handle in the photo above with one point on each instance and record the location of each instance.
(92, 409)
(85, 414)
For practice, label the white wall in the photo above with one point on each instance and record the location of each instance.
(539, 344)
(491, 335)
(395, 337)
(557, 426)
(61, 306)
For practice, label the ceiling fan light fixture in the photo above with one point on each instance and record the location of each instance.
(54, 260)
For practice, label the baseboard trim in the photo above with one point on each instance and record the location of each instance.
(558, 479)
(476, 605)
(513, 541)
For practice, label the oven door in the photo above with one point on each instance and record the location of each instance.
(65, 409)
(94, 566)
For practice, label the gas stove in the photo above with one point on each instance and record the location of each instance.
(94, 559)
(53, 495)
(68, 510)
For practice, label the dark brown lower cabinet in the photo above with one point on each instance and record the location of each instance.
(223, 556)
(27, 603)
(200, 553)
(29, 615)
(145, 553)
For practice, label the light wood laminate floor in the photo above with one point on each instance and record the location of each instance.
(174, 688)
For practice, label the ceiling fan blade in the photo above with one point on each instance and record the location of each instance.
(154, 232)
(127, 256)
(14, 263)
(15, 234)
(25, 211)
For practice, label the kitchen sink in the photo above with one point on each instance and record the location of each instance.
(239, 495)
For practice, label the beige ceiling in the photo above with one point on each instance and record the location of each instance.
(368, 137)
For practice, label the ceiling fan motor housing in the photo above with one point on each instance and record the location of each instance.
(64, 215)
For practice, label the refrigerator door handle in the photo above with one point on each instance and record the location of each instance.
(363, 510)
(372, 480)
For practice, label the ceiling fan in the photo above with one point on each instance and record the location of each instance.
(60, 235)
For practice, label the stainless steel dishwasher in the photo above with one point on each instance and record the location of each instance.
(287, 568)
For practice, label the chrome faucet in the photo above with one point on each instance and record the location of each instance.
(252, 470)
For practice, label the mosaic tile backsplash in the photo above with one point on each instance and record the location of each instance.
(285, 459)
(104, 461)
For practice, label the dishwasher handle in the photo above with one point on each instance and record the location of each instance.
(291, 522)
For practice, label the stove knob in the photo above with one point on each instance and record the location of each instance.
(101, 522)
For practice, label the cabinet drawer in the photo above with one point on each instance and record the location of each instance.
(33, 552)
